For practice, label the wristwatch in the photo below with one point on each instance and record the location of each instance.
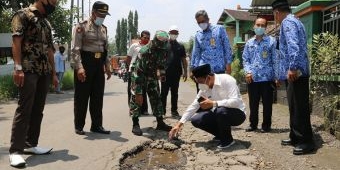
(17, 67)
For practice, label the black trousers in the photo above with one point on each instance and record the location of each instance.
(219, 122)
(29, 113)
(144, 107)
(171, 83)
(89, 92)
(256, 91)
(298, 101)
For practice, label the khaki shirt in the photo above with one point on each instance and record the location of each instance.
(89, 37)
(37, 39)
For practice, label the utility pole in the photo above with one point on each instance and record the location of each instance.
(71, 23)
(89, 8)
(82, 10)
(78, 11)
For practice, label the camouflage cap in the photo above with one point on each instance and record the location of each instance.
(162, 35)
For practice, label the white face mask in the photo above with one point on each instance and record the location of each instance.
(203, 87)
(99, 21)
(203, 26)
(173, 36)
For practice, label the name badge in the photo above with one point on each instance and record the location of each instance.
(264, 54)
(97, 55)
(212, 42)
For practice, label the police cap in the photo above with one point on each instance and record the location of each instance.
(101, 8)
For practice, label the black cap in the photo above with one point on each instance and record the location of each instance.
(280, 4)
(201, 71)
(101, 8)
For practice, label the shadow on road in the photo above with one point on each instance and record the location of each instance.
(59, 155)
(114, 135)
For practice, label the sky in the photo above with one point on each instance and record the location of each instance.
(156, 15)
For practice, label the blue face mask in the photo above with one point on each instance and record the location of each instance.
(259, 30)
(99, 21)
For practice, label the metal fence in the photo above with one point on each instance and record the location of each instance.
(331, 19)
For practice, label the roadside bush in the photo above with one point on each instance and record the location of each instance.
(8, 90)
(68, 80)
(325, 80)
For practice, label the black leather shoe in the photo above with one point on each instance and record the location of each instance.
(164, 127)
(250, 129)
(136, 130)
(79, 132)
(265, 130)
(100, 129)
(303, 149)
(287, 142)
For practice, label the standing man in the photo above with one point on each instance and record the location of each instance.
(149, 68)
(91, 61)
(258, 63)
(293, 48)
(131, 59)
(176, 62)
(217, 106)
(211, 46)
(33, 53)
(59, 60)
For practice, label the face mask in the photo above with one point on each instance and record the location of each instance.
(143, 41)
(61, 51)
(173, 36)
(204, 86)
(99, 21)
(49, 8)
(259, 30)
(203, 26)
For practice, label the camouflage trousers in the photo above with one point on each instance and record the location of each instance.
(153, 92)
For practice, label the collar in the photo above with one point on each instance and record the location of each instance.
(217, 81)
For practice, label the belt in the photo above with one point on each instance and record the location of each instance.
(96, 55)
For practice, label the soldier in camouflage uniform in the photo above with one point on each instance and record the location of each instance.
(33, 57)
(145, 74)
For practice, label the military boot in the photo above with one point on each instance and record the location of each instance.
(162, 126)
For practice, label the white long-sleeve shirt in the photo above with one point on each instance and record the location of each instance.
(225, 92)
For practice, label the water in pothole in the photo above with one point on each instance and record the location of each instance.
(152, 158)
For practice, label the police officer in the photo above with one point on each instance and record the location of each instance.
(90, 61)
(145, 74)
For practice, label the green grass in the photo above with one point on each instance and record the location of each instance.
(8, 90)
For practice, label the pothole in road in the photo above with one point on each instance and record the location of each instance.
(155, 155)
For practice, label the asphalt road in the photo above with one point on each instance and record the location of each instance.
(91, 151)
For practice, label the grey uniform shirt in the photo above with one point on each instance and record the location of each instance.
(89, 37)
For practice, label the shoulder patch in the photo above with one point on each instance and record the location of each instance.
(80, 29)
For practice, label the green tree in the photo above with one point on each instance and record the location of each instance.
(135, 25)
(118, 37)
(60, 26)
(112, 50)
(124, 37)
(5, 17)
(130, 25)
